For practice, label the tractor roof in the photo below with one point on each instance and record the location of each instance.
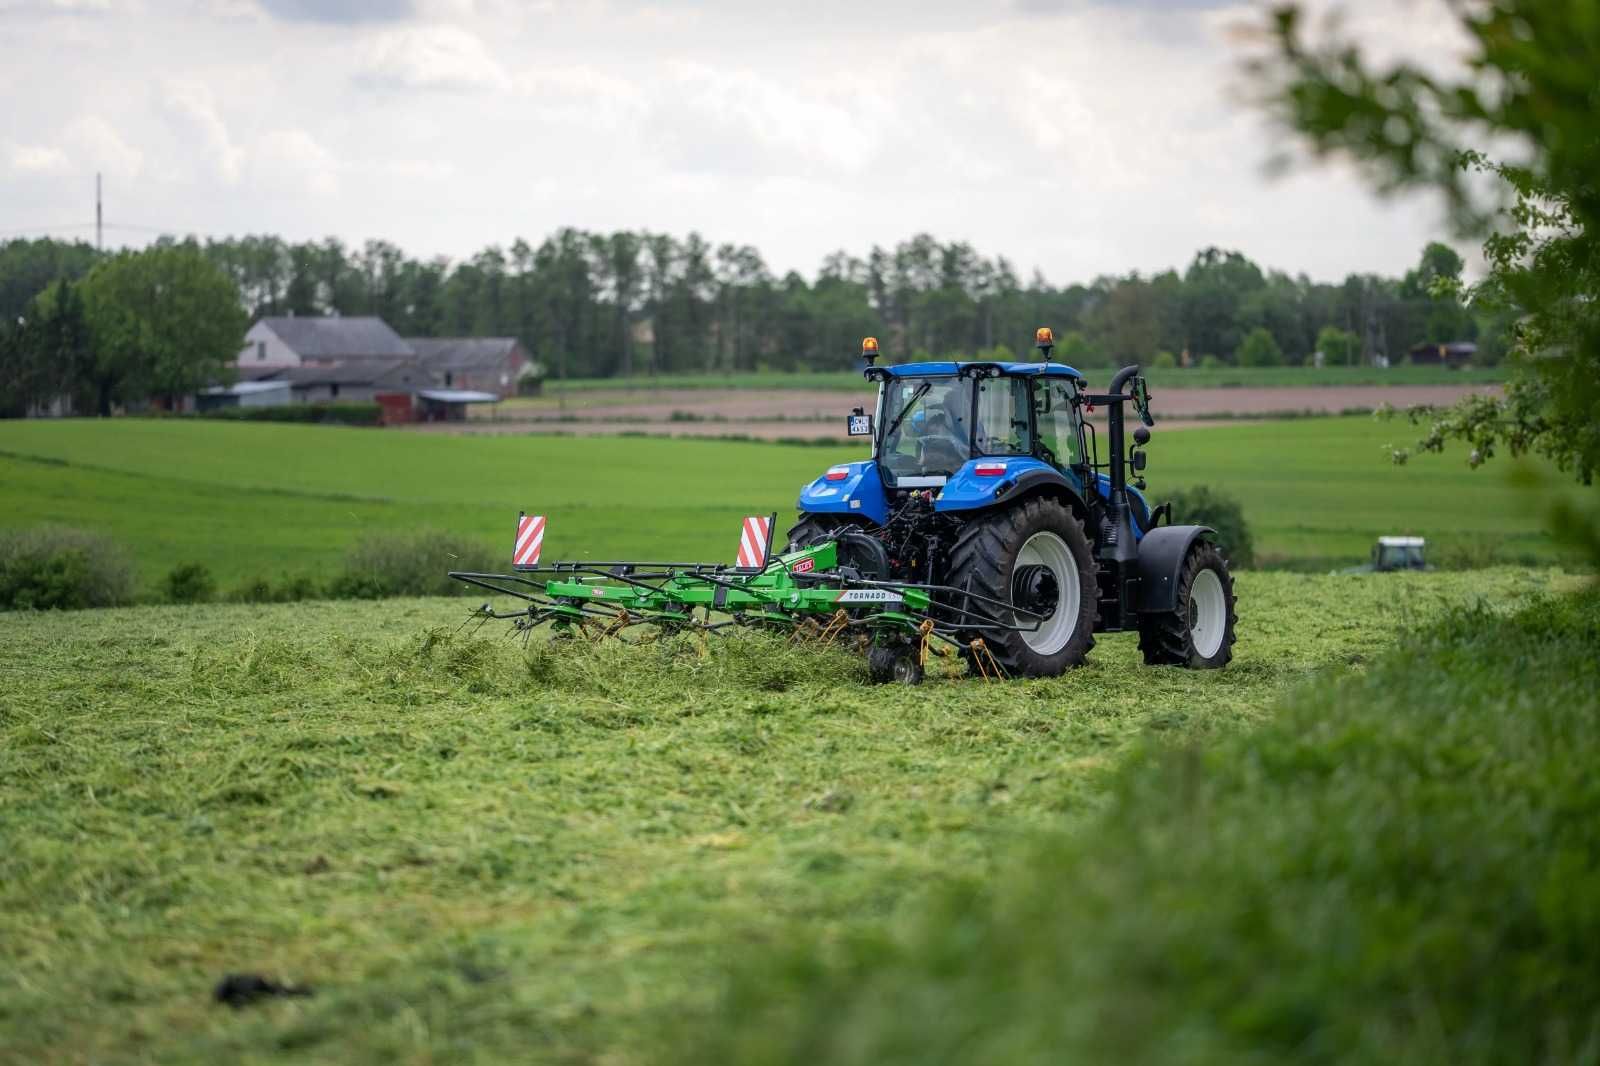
(938, 369)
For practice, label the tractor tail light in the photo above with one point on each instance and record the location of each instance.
(989, 469)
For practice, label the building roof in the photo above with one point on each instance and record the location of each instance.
(458, 396)
(394, 373)
(463, 353)
(338, 337)
(244, 388)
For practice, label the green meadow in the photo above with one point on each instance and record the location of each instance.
(474, 852)
(267, 500)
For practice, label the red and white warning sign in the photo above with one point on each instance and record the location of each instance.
(753, 540)
(530, 538)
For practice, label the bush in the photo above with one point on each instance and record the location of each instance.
(188, 583)
(1211, 362)
(1338, 347)
(408, 564)
(344, 414)
(289, 590)
(1202, 505)
(1164, 361)
(57, 567)
(1259, 348)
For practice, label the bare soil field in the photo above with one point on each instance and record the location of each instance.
(820, 414)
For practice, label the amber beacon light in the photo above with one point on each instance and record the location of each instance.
(869, 349)
(1044, 340)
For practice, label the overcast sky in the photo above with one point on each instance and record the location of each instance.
(1078, 137)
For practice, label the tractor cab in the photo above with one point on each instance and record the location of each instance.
(1399, 553)
(935, 418)
(968, 435)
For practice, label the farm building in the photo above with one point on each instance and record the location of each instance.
(243, 394)
(319, 341)
(337, 359)
(353, 380)
(449, 405)
(484, 364)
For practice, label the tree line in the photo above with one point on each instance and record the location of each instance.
(598, 305)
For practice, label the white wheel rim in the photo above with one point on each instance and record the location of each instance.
(1050, 551)
(1208, 613)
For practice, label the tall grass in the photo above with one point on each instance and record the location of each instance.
(409, 564)
(1403, 867)
(58, 567)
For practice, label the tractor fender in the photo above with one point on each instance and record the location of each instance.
(859, 491)
(1024, 476)
(1161, 556)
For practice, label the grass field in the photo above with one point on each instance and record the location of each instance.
(266, 500)
(1195, 378)
(1400, 866)
(476, 853)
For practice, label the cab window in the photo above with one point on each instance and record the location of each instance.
(1002, 427)
(1055, 412)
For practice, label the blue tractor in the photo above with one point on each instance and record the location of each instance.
(985, 487)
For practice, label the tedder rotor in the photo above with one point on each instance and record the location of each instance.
(984, 524)
(819, 593)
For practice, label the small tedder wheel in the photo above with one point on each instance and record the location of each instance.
(1199, 634)
(894, 665)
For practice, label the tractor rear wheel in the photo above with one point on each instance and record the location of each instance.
(813, 528)
(1035, 558)
(1199, 634)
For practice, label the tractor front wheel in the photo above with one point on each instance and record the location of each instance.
(1028, 572)
(1199, 634)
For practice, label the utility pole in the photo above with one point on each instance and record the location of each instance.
(97, 215)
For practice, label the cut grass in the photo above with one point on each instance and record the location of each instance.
(477, 853)
(265, 500)
(1403, 867)
(1194, 378)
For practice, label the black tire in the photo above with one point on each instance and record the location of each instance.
(1181, 637)
(812, 528)
(887, 665)
(984, 561)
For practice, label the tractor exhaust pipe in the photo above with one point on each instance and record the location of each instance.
(1124, 551)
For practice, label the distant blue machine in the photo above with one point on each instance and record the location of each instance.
(985, 483)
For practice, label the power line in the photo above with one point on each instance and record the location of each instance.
(46, 229)
(132, 227)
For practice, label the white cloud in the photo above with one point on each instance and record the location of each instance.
(58, 7)
(1088, 138)
(36, 160)
(293, 158)
(192, 105)
(93, 141)
(739, 122)
(434, 56)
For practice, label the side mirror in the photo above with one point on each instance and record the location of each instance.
(1141, 400)
(1137, 460)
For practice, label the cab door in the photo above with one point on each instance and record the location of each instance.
(1060, 431)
